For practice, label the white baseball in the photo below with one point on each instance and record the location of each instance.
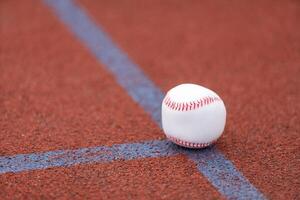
(193, 116)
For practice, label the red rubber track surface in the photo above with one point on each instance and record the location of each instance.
(55, 95)
(154, 178)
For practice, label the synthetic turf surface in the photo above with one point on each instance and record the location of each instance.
(49, 92)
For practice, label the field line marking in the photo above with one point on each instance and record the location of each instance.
(101, 154)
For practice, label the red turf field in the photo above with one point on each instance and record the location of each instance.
(55, 95)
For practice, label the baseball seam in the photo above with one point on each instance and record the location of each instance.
(192, 105)
(189, 144)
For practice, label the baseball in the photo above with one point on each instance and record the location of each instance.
(193, 116)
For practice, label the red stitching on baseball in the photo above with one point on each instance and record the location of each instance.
(189, 144)
(192, 105)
